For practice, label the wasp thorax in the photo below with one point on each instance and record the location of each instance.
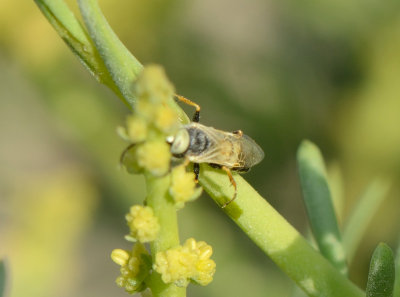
(180, 142)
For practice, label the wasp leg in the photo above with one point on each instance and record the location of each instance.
(196, 170)
(196, 116)
(233, 182)
(121, 159)
(239, 133)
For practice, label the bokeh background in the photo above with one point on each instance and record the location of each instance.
(281, 71)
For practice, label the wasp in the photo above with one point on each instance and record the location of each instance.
(228, 151)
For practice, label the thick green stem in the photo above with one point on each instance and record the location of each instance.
(165, 211)
(276, 237)
(76, 37)
(121, 64)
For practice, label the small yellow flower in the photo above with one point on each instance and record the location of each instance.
(165, 119)
(183, 185)
(133, 269)
(142, 223)
(153, 85)
(136, 128)
(184, 263)
(205, 267)
(154, 156)
(120, 257)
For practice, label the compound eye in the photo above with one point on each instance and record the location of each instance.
(181, 142)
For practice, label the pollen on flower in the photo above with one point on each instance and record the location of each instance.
(142, 223)
(154, 156)
(133, 269)
(183, 186)
(136, 128)
(184, 263)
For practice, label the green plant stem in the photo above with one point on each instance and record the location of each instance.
(165, 210)
(276, 237)
(75, 36)
(122, 65)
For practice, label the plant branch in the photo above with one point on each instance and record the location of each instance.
(164, 209)
(75, 36)
(121, 64)
(276, 237)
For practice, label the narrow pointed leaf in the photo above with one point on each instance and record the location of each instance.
(318, 202)
(362, 214)
(381, 273)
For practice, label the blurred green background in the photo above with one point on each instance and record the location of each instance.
(279, 70)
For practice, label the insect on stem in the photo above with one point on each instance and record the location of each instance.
(229, 151)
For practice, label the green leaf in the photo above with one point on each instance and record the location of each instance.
(362, 214)
(75, 36)
(381, 272)
(3, 278)
(121, 64)
(318, 202)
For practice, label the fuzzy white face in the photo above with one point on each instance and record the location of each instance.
(179, 142)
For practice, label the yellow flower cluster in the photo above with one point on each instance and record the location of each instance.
(152, 120)
(184, 263)
(133, 269)
(142, 223)
(183, 186)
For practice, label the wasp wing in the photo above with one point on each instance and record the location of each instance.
(228, 149)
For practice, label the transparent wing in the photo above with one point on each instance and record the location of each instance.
(228, 149)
